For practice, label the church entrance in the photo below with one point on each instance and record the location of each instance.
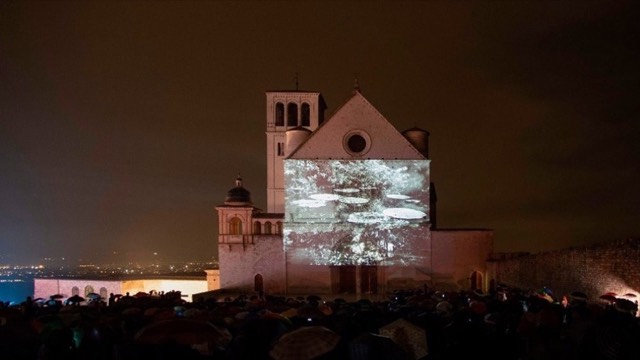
(368, 279)
(351, 279)
(347, 280)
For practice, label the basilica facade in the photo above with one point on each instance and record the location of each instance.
(351, 209)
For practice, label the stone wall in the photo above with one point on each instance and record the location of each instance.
(594, 270)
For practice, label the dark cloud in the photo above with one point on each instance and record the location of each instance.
(124, 124)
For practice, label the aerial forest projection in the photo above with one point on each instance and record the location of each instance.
(356, 212)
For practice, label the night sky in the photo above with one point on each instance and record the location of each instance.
(123, 124)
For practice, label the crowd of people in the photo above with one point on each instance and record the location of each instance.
(507, 324)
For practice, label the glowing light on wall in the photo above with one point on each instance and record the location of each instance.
(356, 212)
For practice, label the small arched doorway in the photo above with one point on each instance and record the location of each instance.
(476, 281)
(258, 284)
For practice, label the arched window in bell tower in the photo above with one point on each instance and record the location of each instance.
(235, 226)
(292, 114)
(279, 114)
(305, 115)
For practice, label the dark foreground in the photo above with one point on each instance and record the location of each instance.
(419, 324)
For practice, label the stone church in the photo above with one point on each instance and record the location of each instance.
(350, 209)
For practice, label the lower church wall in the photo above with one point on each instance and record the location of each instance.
(308, 279)
(452, 257)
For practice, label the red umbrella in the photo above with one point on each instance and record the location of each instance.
(608, 297)
(478, 307)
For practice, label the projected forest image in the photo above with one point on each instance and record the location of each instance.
(356, 212)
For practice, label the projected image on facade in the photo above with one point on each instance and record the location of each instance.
(356, 212)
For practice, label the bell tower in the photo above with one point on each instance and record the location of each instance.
(286, 110)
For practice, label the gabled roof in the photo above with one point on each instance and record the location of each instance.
(356, 117)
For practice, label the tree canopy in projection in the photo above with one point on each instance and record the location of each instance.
(356, 212)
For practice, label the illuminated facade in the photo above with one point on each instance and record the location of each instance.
(67, 287)
(350, 209)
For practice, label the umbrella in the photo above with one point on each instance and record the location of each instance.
(132, 311)
(579, 295)
(93, 296)
(289, 313)
(75, 299)
(141, 294)
(444, 307)
(52, 302)
(478, 307)
(625, 305)
(305, 343)
(608, 297)
(198, 334)
(325, 309)
(269, 315)
(545, 290)
(544, 296)
(368, 346)
(310, 312)
(411, 338)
